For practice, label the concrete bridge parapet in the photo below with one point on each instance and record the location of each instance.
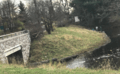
(13, 42)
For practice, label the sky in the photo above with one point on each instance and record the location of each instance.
(26, 2)
(23, 1)
(18, 1)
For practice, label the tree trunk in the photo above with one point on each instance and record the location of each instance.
(4, 27)
(48, 29)
(49, 32)
(51, 27)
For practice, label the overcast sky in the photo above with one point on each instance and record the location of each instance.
(24, 1)
(18, 1)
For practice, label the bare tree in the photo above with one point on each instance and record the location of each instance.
(62, 10)
(42, 11)
(47, 12)
(9, 21)
(7, 14)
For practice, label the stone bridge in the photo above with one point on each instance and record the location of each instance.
(13, 42)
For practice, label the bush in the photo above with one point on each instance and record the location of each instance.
(64, 22)
(19, 25)
(1, 32)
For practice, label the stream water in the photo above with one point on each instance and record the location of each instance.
(108, 54)
(104, 55)
(78, 62)
(82, 61)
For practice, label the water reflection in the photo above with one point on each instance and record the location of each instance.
(95, 62)
(78, 62)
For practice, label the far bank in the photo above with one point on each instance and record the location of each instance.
(66, 41)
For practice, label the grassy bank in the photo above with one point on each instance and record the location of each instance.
(65, 41)
(48, 69)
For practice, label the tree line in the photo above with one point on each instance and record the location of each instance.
(96, 12)
(37, 13)
(46, 12)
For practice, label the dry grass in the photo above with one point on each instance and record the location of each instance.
(68, 37)
(106, 65)
(53, 67)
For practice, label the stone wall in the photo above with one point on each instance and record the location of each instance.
(8, 41)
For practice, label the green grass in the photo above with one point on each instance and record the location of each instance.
(65, 41)
(48, 69)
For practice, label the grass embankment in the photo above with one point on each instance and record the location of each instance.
(52, 69)
(64, 42)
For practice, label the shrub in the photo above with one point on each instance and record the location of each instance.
(19, 25)
(1, 32)
(63, 22)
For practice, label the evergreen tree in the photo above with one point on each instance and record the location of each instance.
(90, 10)
(21, 7)
(22, 15)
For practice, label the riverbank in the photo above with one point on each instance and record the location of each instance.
(52, 69)
(66, 41)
